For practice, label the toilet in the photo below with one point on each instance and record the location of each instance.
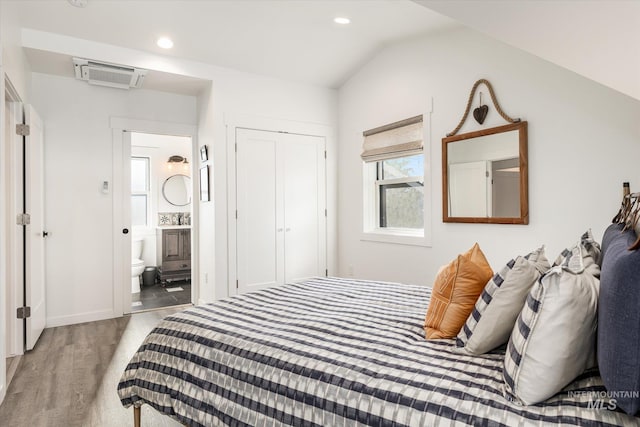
(137, 264)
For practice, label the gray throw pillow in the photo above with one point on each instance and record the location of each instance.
(492, 319)
(553, 340)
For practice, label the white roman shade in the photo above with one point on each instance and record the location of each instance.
(399, 139)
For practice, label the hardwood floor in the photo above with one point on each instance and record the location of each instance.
(70, 378)
(12, 367)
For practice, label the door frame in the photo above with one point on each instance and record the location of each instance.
(13, 200)
(11, 277)
(234, 122)
(122, 246)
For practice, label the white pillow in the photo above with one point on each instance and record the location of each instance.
(553, 340)
(492, 319)
(589, 244)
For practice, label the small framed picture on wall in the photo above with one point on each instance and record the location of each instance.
(204, 184)
(204, 155)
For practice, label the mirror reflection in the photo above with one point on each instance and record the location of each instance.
(176, 190)
(485, 176)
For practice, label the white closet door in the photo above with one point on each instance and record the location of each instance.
(259, 227)
(280, 193)
(303, 206)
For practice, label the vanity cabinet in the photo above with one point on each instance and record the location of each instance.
(174, 254)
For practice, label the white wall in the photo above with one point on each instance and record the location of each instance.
(14, 61)
(78, 158)
(207, 213)
(583, 143)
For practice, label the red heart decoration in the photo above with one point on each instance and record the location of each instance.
(480, 113)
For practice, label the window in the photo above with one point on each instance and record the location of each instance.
(140, 194)
(399, 184)
(394, 184)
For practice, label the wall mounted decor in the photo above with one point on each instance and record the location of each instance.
(204, 184)
(485, 176)
(480, 113)
(482, 110)
(204, 155)
(485, 172)
(176, 190)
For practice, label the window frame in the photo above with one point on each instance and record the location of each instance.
(372, 187)
(381, 183)
(146, 193)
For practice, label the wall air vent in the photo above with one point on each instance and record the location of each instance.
(111, 75)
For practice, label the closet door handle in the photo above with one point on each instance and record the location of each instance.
(279, 230)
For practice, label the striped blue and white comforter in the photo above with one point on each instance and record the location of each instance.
(331, 352)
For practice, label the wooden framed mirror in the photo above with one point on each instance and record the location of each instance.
(485, 176)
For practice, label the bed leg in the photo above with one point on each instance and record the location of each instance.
(136, 416)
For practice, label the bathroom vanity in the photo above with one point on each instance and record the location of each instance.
(173, 253)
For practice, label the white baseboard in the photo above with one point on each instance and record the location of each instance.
(3, 392)
(201, 301)
(73, 319)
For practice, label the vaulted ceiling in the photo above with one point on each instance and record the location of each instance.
(298, 40)
(596, 39)
(291, 39)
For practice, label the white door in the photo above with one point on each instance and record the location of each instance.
(260, 232)
(280, 196)
(468, 189)
(124, 232)
(303, 207)
(35, 231)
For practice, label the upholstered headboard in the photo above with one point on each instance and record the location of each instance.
(619, 318)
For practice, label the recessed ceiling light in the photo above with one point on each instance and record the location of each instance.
(165, 42)
(78, 3)
(342, 20)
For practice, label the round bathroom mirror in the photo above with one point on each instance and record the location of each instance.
(177, 190)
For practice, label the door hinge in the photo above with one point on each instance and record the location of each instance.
(22, 129)
(236, 147)
(23, 312)
(325, 212)
(325, 154)
(237, 286)
(486, 173)
(326, 273)
(236, 213)
(23, 219)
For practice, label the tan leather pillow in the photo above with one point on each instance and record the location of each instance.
(455, 292)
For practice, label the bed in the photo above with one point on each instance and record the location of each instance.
(333, 352)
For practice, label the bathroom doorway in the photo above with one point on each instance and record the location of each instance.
(160, 217)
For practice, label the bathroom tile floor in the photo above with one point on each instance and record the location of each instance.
(156, 296)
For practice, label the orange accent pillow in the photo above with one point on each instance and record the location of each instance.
(455, 292)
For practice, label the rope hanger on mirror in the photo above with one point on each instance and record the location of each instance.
(629, 213)
(480, 113)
